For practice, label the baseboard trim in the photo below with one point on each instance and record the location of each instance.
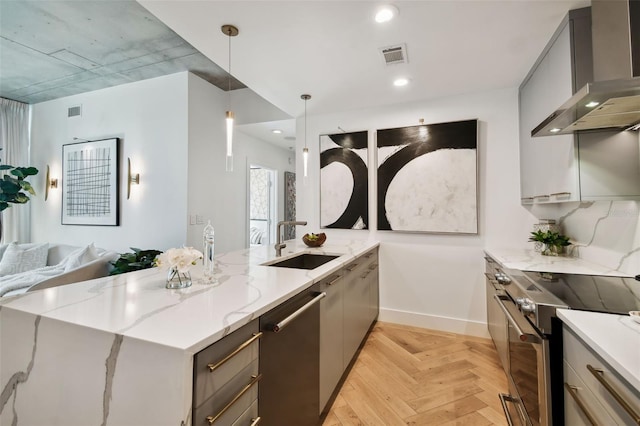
(451, 325)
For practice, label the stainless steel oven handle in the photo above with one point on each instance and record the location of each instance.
(524, 337)
(282, 324)
(504, 398)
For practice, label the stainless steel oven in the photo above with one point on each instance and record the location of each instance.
(528, 302)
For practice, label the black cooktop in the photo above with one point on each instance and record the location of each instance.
(598, 293)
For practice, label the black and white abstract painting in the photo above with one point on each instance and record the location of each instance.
(344, 181)
(427, 178)
(90, 183)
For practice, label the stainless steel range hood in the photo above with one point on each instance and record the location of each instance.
(612, 100)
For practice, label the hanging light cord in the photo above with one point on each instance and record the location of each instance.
(229, 79)
(305, 123)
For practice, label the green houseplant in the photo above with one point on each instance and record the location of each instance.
(553, 242)
(139, 259)
(14, 187)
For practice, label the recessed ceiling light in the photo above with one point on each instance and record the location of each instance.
(399, 82)
(555, 130)
(592, 104)
(386, 13)
(277, 131)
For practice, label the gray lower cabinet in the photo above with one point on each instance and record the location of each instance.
(331, 335)
(346, 314)
(226, 376)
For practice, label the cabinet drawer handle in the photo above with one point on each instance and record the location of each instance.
(256, 421)
(369, 255)
(573, 391)
(213, 367)
(598, 373)
(373, 267)
(335, 280)
(363, 276)
(352, 267)
(254, 380)
(541, 196)
(282, 324)
(558, 194)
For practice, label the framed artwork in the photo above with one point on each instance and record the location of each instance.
(344, 196)
(427, 178)
(289, 204)
(90, 183)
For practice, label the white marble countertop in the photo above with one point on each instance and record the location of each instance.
(616, 338)
(138, 305)
(529, 260)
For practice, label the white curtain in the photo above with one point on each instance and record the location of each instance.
(14, 141)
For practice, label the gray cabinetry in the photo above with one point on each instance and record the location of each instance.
(346, 314)
(496, 320)
(226, 379)
(549, 165)
(331, 335)
(594, 393)
(585, 166)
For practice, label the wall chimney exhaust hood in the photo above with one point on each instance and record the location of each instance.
(612, 100)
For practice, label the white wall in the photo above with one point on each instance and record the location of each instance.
(150, 117)
(215, 194)
(428, 280)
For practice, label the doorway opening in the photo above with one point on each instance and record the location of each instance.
(262, 205)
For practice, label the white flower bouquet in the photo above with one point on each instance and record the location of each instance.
(180, 259)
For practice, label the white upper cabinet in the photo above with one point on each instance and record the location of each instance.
(548, 165)
(588, 165)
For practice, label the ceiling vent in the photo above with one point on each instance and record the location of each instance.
(394, 54)
(74, 111)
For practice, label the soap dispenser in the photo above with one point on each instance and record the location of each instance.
(208, 240)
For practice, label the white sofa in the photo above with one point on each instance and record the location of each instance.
(59, 271)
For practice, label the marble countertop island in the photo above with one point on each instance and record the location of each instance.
(615, 338)
(119, 350)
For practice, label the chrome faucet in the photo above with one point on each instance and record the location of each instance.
(279, 244)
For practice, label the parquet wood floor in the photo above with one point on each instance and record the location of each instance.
(413, 376)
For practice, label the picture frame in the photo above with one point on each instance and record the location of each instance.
(344, 180)
(427, 178)
(90, 185)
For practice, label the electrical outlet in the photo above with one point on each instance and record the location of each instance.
(192, 220)
(199, 220)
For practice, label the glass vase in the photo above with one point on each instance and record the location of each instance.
(177, 279)
(551, 250)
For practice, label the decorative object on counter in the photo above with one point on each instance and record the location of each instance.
(344, 193)
(635, 315)
(139, 259)
(544, 225)
(178, 261)
(90, 183)
(314, 240)
(553, 242)
(208, 241)
(427, 178)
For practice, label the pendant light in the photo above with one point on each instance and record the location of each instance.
(229, 31)
(305, 150)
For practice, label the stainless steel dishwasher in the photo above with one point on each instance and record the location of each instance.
(289, 361)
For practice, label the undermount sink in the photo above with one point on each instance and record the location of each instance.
(304, 261)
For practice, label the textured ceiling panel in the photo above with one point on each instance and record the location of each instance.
(51, 49)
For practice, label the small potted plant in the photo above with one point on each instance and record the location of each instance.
(553, 242)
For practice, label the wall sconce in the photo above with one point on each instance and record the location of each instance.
(132, 178)
(49, 183)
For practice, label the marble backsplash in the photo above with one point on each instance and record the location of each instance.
(604, 232)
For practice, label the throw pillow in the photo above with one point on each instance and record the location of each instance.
(18, 258)
(79, 257)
